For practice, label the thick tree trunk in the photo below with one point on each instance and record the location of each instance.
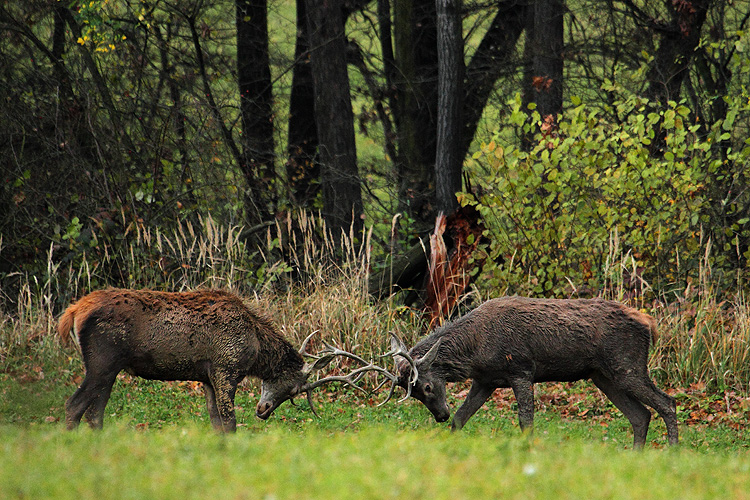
(677, 42)
(342, 198)
(490, 61)
(449, 160)
(415, 109)
(256, 109)
(543, 82)
(302, 167)
(547, 88)
(669, 67)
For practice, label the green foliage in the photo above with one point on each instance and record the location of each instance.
(590, 197)
(100, 20)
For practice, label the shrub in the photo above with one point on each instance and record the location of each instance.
(591, 194)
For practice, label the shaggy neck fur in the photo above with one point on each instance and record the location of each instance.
(276, 356)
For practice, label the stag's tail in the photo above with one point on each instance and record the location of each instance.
(646, 320)
(75, 316)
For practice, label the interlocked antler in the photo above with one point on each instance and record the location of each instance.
(324, 357)
(399, 349)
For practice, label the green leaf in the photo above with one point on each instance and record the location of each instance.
(729, 120)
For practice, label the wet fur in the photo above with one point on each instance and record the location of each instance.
(516, 342)
(210, 336)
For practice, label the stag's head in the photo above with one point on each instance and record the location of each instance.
(273, 392)
(293, 382)
(421, 381)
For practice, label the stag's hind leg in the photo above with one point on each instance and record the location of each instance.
(643, 389)
(213, 409)
(91, 398)
(634, 411)
(95, 412)
(523, 390)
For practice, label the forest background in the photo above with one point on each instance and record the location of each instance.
(577, 148)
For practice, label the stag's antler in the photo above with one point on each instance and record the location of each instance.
(398, 349)
(324, 357)
(303, 347)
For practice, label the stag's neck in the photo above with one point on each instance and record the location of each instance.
(276, 356)
(458, 349)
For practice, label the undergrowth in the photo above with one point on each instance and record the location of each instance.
(312, 283)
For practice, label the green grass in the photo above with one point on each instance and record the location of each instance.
(158, 443)
(376, 461)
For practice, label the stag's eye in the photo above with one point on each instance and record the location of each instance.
(427, 389)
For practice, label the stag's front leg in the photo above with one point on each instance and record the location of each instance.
(224, 386)
(213, 409)
(523, 389)
(478, 394)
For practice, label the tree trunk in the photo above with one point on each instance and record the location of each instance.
(449, 161)
(342, 198)
(678, 40)
(544, 82)
(256, 110)
(415, 110)
(669, 67)
(302, 167)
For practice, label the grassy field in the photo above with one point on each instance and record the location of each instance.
(379, 461)
(157, 443)
(157, 440)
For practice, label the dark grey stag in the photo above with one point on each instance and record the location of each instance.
(515, 342)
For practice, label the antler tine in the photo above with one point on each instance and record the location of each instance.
(326, 355)
(351, 379)
(399, 351)
(312, 406)
(390, 392)
(335, 351)
(408, 392)
(303, 348)
(394, 383)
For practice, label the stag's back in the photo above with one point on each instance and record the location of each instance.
(167, 335)
(556, 339)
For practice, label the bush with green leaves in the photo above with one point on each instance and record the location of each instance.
(594, 204)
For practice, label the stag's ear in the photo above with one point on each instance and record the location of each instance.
(426, 361)
(319, 363)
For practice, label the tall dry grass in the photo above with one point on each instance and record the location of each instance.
(306, 281)
(704, 332)
(309, 281)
